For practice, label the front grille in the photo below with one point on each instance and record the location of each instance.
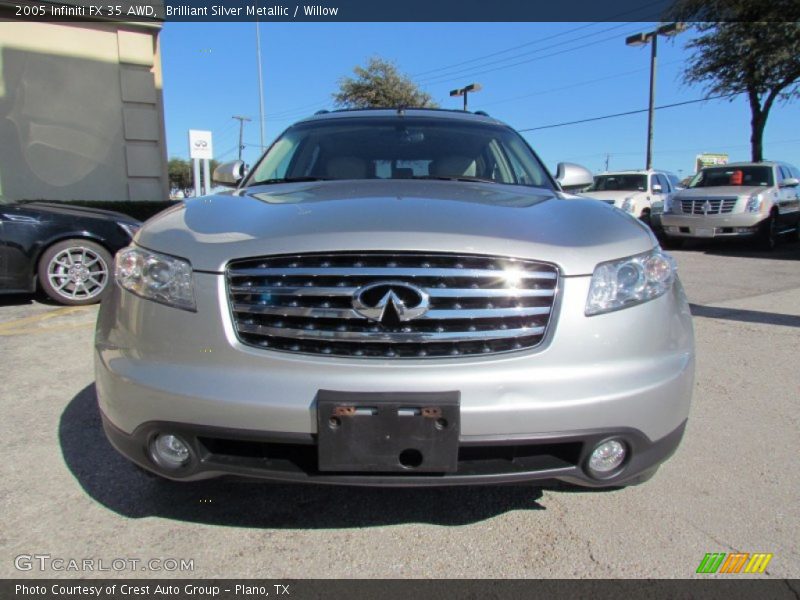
(477, 304)
(708, 206)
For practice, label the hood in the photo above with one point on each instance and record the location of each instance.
(724, 191)
(431, 216)
(80, 211)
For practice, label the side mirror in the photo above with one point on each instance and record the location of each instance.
(657, 189)
(230, 174)
(572, 176)
(790, 182)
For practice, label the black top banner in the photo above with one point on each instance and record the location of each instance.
(399, 11)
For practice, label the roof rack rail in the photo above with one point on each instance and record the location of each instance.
(395, 108)
(482, 113)
(322, 112)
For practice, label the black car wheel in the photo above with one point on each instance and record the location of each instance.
(75, 272)
(769, 233)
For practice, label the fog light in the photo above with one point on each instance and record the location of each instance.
(607, 456)
(170, 451)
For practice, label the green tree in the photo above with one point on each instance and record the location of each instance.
(180, 174)
(747, 47)
(380, 84)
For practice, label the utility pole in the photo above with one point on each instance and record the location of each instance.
(472, 87)
(608, 157)
(642, 39)
(241, 120)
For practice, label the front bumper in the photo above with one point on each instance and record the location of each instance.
(293, 457)
(712, 226)
(627, 373)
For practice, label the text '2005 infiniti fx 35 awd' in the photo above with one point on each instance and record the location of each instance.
(396, 297)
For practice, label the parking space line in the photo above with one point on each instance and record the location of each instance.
(22, 326)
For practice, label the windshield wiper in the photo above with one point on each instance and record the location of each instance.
(453, 178)
(288, 180)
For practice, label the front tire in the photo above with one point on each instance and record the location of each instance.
(769, 233)
(75, 272)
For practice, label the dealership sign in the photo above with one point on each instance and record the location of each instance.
(709, 160)
(200, 144)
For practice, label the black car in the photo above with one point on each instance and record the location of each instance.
(66, 250)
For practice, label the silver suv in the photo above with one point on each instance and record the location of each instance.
(400, 298)
(640, 193)
(755, 200)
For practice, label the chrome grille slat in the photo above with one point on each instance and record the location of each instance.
(477, 304)
(391, 337)
(432, 292)
(394, 273)
(349, 313)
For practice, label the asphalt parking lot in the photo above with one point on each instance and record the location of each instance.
(732, 486)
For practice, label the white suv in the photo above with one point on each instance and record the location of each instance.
(742, 200)
(640, 193)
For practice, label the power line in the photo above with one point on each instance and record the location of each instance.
(538, 41)
(574, 85)
(468, 70)
(511, 49)
(530, 60)
(630, 112)
(290, 113)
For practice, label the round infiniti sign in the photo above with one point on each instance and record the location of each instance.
(389, 302)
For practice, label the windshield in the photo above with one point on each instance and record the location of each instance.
(732, 176)
(400, 148)
(613, 183)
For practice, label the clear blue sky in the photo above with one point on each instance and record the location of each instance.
(558, 72)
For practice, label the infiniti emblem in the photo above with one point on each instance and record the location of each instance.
(390, 302)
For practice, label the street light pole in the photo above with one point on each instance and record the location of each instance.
(260, 82)
(652, 109)
(641, 39)
(472, 87)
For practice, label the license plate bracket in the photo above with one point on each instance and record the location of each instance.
(390, 432)
(704, 232)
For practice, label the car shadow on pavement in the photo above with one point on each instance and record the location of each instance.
(743, 249)
(115, 483)
(743, 315)
(16, 299)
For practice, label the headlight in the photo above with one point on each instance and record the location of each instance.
(130, 228)
(754, 203)
(157, 277)
(628, 281)
(627, 205)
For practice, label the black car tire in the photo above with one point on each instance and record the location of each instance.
(75, 272)
(769, 233)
